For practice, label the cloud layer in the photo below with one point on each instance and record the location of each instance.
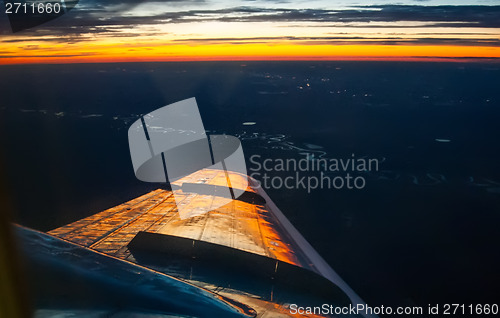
(170, 21)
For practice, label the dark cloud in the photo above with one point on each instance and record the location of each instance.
(42, 55)
(465, 16)
(464, 58)
(92, 18)
(350, 40)
(477, 16)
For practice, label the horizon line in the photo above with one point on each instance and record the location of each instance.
(73, 60)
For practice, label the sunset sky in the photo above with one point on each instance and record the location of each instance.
(130, 30)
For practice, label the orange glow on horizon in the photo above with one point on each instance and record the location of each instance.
(104, 52)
